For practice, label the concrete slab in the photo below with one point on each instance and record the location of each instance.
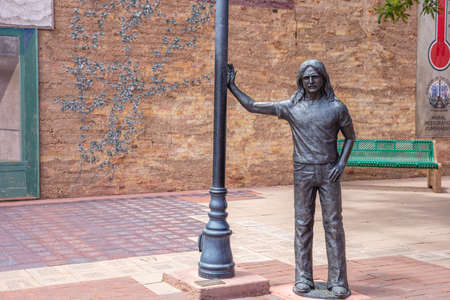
(244, 284)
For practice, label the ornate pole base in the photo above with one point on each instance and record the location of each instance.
(216, 260)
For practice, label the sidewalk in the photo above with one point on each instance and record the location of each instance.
(397, 234)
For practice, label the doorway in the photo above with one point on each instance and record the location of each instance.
(19, 114)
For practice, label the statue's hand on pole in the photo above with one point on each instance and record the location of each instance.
(231, 75)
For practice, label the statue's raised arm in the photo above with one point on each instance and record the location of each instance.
(267, 108)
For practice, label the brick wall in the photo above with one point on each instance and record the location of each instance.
(108, 133)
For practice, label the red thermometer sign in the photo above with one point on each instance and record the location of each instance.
(439, 51)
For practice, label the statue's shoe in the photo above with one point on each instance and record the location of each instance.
(340, 292)
(301, 288)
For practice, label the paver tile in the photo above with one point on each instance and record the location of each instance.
(162, 288)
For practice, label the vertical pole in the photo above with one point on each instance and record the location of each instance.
(216, 260)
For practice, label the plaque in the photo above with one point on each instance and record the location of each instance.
(433, 75)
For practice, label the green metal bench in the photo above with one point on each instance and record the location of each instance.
(417, 154)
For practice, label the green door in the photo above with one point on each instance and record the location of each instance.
(19, 114)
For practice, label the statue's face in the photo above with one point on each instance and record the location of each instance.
(312, 81)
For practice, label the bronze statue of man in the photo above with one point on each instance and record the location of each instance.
(315, 116)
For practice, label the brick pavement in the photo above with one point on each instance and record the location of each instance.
(108, 289)
(387, 278)
(65, 233)
(51, 234)
(398, 246)
(383, 278)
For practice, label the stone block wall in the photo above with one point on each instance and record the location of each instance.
(126, 92)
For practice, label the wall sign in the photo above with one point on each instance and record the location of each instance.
(26, 13)
(433, 74)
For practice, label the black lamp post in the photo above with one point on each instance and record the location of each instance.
(216, 260)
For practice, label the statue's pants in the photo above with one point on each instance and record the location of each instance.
(308, 179)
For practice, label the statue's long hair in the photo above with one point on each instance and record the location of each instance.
(319, 67)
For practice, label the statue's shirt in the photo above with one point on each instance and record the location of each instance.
(315, 125)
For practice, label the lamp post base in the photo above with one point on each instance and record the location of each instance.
(216, 261)
(216, 271)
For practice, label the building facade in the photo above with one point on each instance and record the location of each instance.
(125, 91)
